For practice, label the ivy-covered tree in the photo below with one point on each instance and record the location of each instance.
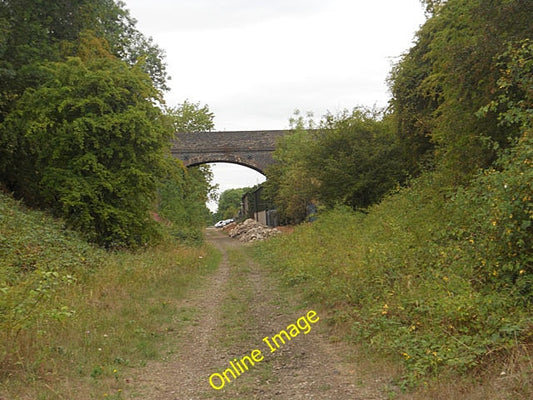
(414, 103)
(441, 84)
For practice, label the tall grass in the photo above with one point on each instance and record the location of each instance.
(71, 312)
(442, 280)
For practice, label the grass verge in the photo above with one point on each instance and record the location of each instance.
(74, 318)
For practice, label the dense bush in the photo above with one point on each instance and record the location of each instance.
(352, 158)
(355, 159)
(90, 144)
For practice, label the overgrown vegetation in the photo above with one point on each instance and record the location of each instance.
(351, 159)
(85, 136)
(439, 282)
(83, 129)
(440, 272)
(182, 199)
(451, 73)
(71, 312)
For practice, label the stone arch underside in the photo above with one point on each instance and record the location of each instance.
(249, 148)
(226, 158)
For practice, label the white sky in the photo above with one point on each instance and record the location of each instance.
(255, 61)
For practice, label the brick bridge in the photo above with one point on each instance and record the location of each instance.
(249, 148)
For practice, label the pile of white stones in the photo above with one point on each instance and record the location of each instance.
(250, 231)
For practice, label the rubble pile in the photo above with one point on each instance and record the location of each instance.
(251, 230)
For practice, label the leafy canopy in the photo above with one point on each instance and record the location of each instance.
(94, 147)
(183, 202)
(81, 127)
(449, 75)
(351, 159)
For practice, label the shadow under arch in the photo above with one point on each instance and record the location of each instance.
(229, 158)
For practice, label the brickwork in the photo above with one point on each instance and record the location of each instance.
(249, 148)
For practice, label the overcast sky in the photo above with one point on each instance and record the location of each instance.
(255, 61)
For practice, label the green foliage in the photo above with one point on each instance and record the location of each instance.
(182, 202)
(414, 102)
(355, 159)
(499, 219)
(440, 283)
(432, 6)
(229, 203)
(70, 310)
(37, 31)
(37, 258)
(90, 144)
(352, 159)
(440, 277)
(449, 75)
(440, 273)
(514, 101)
(81, 131)
(289, 185)
(191, 117)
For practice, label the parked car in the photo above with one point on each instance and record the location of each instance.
(224, 222)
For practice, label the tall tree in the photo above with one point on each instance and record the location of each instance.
(441, 84)
(191, 117)
(351, 159)
(229, 203)
(80, 131)
(289, 185)
(183, 203)
(94, 147)
(35, 31)
(355, 159)
(414, 101)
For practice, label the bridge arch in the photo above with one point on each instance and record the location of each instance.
(248, 148)
(229, 158)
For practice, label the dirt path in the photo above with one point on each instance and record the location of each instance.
(236, 308)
